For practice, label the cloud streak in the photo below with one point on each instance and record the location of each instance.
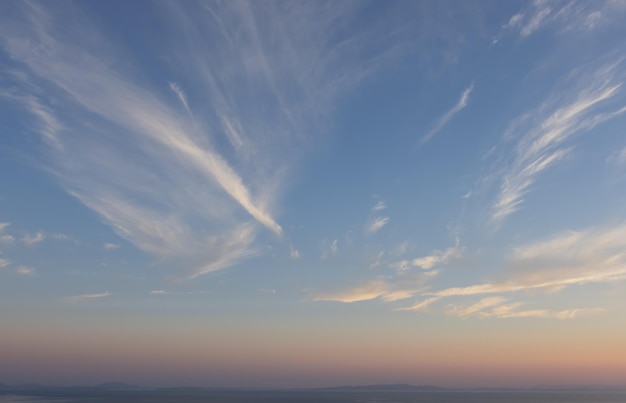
(562, 17)
(447, 117)
(565, 260)
(543, 143)
(436, 258)
(31, 240)
(374, 225)
(198, 186)
(397, 289)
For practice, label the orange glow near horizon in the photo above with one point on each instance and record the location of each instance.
(308, 356)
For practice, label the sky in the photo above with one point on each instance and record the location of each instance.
(313, 193)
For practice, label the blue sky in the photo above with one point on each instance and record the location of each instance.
(279, 162)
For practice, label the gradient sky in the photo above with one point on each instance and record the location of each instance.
(311, 193)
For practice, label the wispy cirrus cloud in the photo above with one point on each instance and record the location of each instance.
(562, 17)
(569, 259)
(388, 290)
(198, 185)
(5, 239)
(110, 246)
(4, 262)
(496, 307)
(375, 224)
(379, 206)
(329, 249)
(25, 271)
(447, 117)
(543, 141)
(165, 292)
(30, 240)
(294, 253)
(437, 257)
(618, 158)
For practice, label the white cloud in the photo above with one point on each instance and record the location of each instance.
(376, 224)
(387, 289)
(563, 17)
(536, 20)
(30, 240)
(568, 259)
(4, 262)
(164, 292)
(85, 297)
(230, 249)
(6, 239)
(375, 260)
(420, 305)
(365, 292)
(436, 258)
(618, 158)
(180, 94)
(334, 247)
(166, 180)
(494, 307)
(329, 250)
(379, 206)
(476, 307)
(543, 143)
(26, 271)
(110, 246)
(294, 253)
(372, 290)
(3, 225)
(460, 105)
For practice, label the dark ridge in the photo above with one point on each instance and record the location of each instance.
(117, 386)
(392, 386)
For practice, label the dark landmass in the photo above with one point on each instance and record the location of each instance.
(26, 388)
(117, 386)
(393, 386)
(123, 393)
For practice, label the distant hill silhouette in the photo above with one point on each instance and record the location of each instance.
(117, 386)
(392, 386)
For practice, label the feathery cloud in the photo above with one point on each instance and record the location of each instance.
(164, 292)
(25, 271)
(447, 117)
(30, 240)
(400, 287)
(164, 179)
(562, 17)
(568, 259)
(180, 94)
(7, 239)
(436, 258)
(543, 143)
(617, 158)
(379, 206)
(329, 250)
(294, 253)
(110, 246)
(376, 224)
(494, 307)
